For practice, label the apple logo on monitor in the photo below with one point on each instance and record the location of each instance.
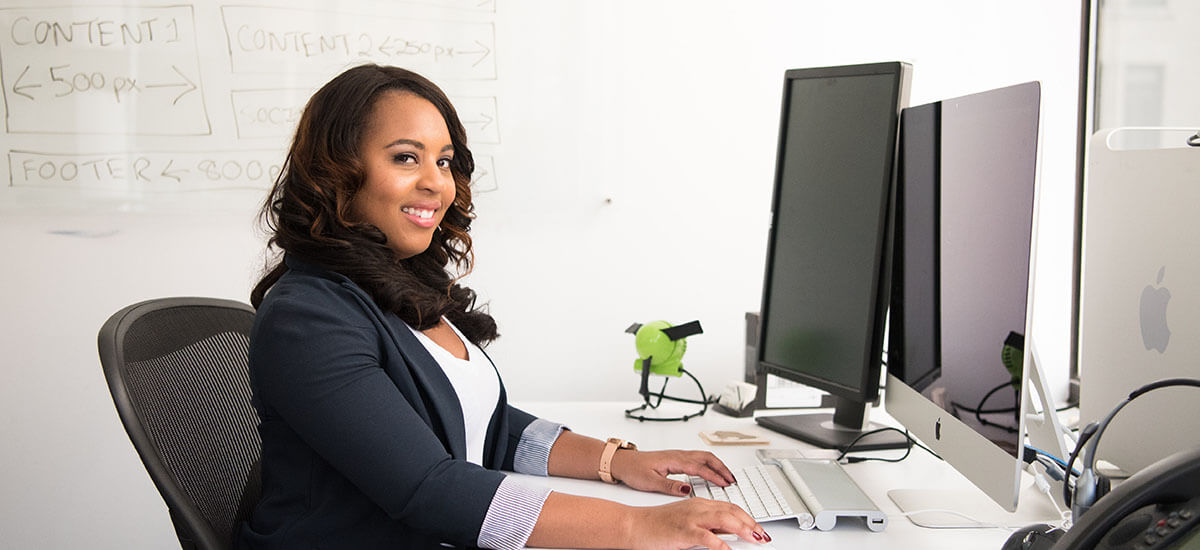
(1155, 333)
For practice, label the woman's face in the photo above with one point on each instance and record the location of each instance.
(406, 152)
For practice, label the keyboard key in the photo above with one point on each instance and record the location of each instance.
(735, 496)
(758, 494)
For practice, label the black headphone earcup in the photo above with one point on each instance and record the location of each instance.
(1071, 497)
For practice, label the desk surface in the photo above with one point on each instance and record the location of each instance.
(920, 470)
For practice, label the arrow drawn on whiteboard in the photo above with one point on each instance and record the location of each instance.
(187, 82)
(384, 44)
(479, 175)
(17, 87)
(485, 51)
(166, 171)
(483, 123)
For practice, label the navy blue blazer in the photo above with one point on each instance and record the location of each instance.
(363, 438)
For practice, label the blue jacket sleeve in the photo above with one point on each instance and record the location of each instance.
(316, 363)
(517, 421)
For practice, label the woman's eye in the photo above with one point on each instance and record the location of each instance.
(444, 163)
(404, 158)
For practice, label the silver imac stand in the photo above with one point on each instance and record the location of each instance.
(1039, 426)
(1042, 430)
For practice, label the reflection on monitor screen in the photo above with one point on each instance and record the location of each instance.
(965, 217)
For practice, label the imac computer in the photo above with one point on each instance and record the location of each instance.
(961, 303)
(827, 275)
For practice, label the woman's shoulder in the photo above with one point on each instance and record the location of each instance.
(314, 294)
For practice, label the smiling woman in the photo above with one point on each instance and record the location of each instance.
(381, 416)
(353, 138)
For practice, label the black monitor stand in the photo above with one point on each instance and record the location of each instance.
(837, 430)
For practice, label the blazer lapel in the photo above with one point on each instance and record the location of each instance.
(441, 395)
(496, 442)
(434, 387)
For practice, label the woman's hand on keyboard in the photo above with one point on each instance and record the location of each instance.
(648, 470)
(692, 522)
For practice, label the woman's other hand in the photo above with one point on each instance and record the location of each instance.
(692, 522)
(648, 470)
(571, 521)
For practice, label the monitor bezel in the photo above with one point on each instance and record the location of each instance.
(897, 358)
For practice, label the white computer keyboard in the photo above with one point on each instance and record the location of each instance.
(760, 492)
(814, 492)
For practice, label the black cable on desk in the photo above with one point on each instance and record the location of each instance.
(907, 450)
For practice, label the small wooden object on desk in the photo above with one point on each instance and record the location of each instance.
(727, 437)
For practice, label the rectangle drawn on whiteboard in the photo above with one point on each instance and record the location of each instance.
(484, 178)
(268, 113)
(478, 116)
(146, 171)
(467, 5)
(102, 70)
(272, 113)
(265, 40)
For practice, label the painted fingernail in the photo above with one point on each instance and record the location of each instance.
(685, 489)
(757, 536)
(766, 536)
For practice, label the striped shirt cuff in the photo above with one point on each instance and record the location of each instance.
(533, 450)
(511, 516)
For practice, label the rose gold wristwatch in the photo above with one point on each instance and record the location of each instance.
(610, 449)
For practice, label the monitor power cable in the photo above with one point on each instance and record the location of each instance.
(842, 458)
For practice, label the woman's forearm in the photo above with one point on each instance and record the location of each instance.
(582, 522)
(578, 456)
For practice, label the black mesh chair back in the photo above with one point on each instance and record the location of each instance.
(177, 369)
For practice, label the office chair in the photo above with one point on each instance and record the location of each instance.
(177, 369)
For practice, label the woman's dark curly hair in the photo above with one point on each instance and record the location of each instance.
(307, 212)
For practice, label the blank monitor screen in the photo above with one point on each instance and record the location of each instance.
(966, 197)
(988, 168)
(824, 295)
(820, 310)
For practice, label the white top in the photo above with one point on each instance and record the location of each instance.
(476, 383)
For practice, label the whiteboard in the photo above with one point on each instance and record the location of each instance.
(112, 104)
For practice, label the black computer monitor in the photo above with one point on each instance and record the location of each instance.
(825, 292)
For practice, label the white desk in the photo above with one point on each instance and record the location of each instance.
(920, 470)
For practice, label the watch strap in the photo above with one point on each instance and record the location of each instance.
(610, 449)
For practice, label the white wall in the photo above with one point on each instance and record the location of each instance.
(632, 182)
